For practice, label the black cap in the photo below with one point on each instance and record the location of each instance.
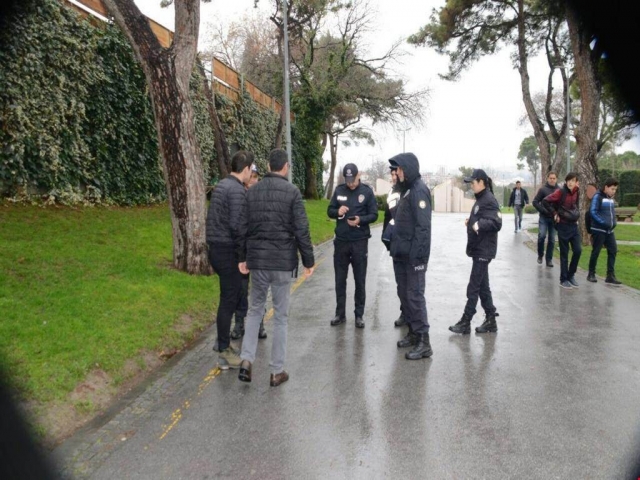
(349, 172)
(393, 165)
(477, 174)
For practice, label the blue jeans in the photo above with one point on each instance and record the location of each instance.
(546, 226)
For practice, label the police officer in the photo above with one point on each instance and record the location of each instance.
(354, 207)
(410, 249)
(483, 225)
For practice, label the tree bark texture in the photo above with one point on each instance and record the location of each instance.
(523, 69)
(333, 149)
(220, 139)
(586, 133)
(311, 182)
(167, 72)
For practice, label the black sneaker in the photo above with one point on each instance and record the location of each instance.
(592, 278)
(359, 322)
(539, 260)
(574, 282)
(566, 284)
(550, 263)
(612, 280)
(337, 320)
(262, 333)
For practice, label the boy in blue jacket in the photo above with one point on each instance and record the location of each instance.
(603, 222)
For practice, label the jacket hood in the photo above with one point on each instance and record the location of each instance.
(410, 166)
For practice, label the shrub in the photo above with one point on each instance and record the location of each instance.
(629, 183)
(381, 200)
(631, 200)
(530, 209)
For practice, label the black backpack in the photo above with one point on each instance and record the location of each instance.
(587, 214)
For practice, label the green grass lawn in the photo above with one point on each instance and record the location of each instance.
(89, 288)
(630, 233)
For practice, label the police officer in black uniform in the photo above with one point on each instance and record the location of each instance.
(354, 207)
(483, 225)
(410, 249)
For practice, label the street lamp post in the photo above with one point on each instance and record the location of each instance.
(404, 131)
(287, 102)
(568, 129)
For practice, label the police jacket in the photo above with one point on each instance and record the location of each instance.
(524, 197)
(565, 204)
(390, 208)
(277, 226)
(226, 222)
(603, 213)
(411, 240)
(361, 203)
(544, 191)
(486, 212)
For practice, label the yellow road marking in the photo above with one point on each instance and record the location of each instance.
(177, 414)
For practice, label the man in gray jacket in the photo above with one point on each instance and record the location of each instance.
(277, 229)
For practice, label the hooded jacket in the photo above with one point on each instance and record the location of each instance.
(411, 240)
(486, 212)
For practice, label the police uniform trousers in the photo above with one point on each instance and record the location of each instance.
(411, 282)
(353, 253)
(479, 287)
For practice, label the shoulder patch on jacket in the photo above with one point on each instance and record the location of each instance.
(422, 204)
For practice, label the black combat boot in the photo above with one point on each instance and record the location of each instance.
(401, 321)
(422, 349)
(238, 329)
(409, 340)
(463, 326)
(489, 325)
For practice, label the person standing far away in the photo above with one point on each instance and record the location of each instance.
(243, 307)
(410, 250)
(389, 223)
(277, 229)
(564, 204)
(353, 206)
(518, 199)
(483, 225)
(226, 229)
(546, 225)
(603, 222)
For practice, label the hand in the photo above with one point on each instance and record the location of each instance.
(476, 227)
(466, 222)
(354, 223)
(308, 272)
(242, 266)
(343, 210)
(556, 218)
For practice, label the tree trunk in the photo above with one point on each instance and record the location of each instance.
(220, 139)
(280, 128)
(167, 72)
(311, 183)
(333, 149)
(523, 69)
(586, 133)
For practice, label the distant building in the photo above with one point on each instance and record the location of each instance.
(449, 198)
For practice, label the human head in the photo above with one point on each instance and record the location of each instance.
(394, 176)
(351, 175)
(571, 180)
(254, 176)
(552, 178)
(278, 162)
(241, 165)
(479, 180)
(518, 184)
(610, 187)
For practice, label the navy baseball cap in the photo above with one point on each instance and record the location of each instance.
(350, 171)
(477, 174)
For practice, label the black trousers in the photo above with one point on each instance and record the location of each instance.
(568, 235)
(243, 305)
(411, 283)
(479, 288)
(608, 240)
(354, 254)
(225, 263)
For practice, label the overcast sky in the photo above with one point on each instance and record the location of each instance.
(471, 122)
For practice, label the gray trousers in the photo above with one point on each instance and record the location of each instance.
(517, 212)
(280, 283)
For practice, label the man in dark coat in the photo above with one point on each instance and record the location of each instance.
(226, 229)
(518, 199)
(546, 225)
(410, 249)
(354, 207)
(277, 229)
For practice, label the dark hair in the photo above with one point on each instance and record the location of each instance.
(488, 183)
(571, 176)
(277, 159)
(551, 172)
(611, 181)
(518, 182)
(241, 160)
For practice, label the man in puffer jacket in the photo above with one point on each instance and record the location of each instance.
(410, 249)
(603, 222)
(226, 229)
(563, 203)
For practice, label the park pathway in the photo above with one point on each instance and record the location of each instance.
(554, 394)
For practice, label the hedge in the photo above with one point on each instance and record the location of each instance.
(631, 200)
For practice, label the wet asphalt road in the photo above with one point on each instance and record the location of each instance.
(554, 394)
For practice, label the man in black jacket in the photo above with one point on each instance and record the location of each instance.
(518, 199)
(354, 207)
(410, 249)
(546, 225)
(277, 228)
(226, 228)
